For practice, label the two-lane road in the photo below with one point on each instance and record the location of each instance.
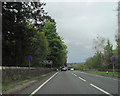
(73, 82)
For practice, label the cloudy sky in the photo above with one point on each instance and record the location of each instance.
(80, 22)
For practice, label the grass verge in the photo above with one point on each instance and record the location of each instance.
(8, 87)
(103, 73)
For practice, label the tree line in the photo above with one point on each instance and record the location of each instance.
(101, 59)
(28, 30)
(103, 52)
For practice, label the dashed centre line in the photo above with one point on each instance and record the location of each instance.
(82, 79)
(75, 75)
(94, 86)
(79, 77)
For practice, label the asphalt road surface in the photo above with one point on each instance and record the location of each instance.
(74, 82)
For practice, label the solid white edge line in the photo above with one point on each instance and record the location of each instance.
(42, 85)
(82, 79)
(101, 89)
(100, 76)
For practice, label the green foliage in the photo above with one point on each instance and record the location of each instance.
(38, 46)
(99, 44)
(108, 53)
(104, 51)
(116, 52)
(28, 30)
(17, 32)
(97, 60)
(58, 52)
(89, 62)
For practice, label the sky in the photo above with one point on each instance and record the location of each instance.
(81, 22)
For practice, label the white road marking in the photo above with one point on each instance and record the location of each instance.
(75, 75)
(82, 79)
(101, 90)
(100, 76)
(79, 77)
(42, 85)
(107, 77)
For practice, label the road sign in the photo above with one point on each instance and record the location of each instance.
(112, 59)
(30, 58)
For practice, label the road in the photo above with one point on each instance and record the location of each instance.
(73, 82)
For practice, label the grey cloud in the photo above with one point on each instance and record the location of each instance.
(79, 23)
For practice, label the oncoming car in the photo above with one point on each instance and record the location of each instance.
(72, 69)
(63, 69)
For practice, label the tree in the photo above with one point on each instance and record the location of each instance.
(58, 52)
(37, 46)
(116, 52)
(28, 30)
(98, 58)
(108, 52)
(17, 36)
(99, 44)
(89, 62)
(104, 51)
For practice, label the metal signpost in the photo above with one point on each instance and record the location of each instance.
(113, 60)
(29, 59)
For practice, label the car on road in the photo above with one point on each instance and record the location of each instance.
(72, 69)
(69, 67)
(63, 69)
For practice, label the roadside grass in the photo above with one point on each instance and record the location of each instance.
(103, 73)
(10, 86)
(5, 88)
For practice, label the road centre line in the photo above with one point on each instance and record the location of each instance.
(101, 90)
(79, 77)
(42, 84)
(82, 79)
(95, 86)
(75, 75)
